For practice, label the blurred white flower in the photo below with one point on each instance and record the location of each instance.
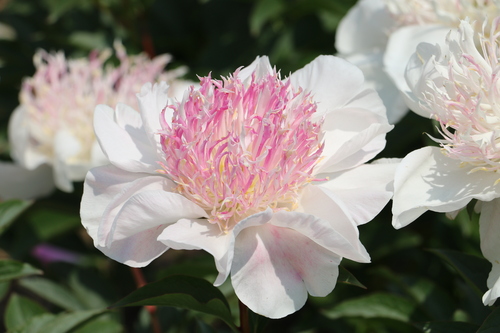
(52, 126)
(379, 36)
(267, 175)
(457, 84)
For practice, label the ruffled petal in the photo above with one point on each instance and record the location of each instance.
(201, 235)
(364, 190)
(426, 179)
(103, 186)
(403, 43)
(364, 27)
(17, 182)
(275, 267)
(489, 230)
(123, 140)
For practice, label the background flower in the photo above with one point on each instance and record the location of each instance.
(263, 174)
(381, 35)
(456, 83)
(53, 123)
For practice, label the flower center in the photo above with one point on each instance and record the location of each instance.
(466, 102)
(236, 148)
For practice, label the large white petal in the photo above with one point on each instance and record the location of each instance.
(364, 190)
(152, 100)
(275, 267)
(332, 81)
(101, 186)
(352, 137)
(364, 27)
(426, 179)
(403, 43)
(123, 139)
(371, 64)
(489, 229)
(149, 209)
(17, 182)
(202, 235)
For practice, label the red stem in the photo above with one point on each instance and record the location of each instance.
(244, 319)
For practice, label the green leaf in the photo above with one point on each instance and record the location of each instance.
(492, 323)
(52, 220)
(62, 323)
(36, 324)
(100, 325)
(4, 289)
(473, 269)
(12, 269)
(264, 11)
(346, 277)
(181, 291)
(10, 210)
(20, 310)
(378, 305)
(52, 292)
(446, 327)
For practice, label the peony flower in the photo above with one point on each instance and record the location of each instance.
(267, 175)
(52, 126)
(379, 36)
(457, 84)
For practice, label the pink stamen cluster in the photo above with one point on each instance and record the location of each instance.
(236, 148)
(466, 103)
(63, 93)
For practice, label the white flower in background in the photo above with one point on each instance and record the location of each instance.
(379, 36)
(52, 126)
(267, 175)
(457, 84)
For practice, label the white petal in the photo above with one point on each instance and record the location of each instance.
(332, 81)
(489, 229)
(274, 268)
(101, 186)
(152, 100)
(352, 137)
(403, 43)
(364, 27)
(261, 66)
(371, 64)
(123, 140)
(17, 182)
(428, 180)
(149, 209)
(19, 139)
(365, 190)
(202, 235)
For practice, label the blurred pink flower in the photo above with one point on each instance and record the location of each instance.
(457, 84)
(51, 131)
(265, 174)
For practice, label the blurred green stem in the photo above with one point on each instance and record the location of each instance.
(140, 281)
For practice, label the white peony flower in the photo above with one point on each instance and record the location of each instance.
(267, 175)
(457, 84)
(379, 36)
(52, 126)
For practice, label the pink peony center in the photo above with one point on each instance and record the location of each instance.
(236, 148)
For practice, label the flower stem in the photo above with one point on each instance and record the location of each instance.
(140, 281)
(244, 319)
